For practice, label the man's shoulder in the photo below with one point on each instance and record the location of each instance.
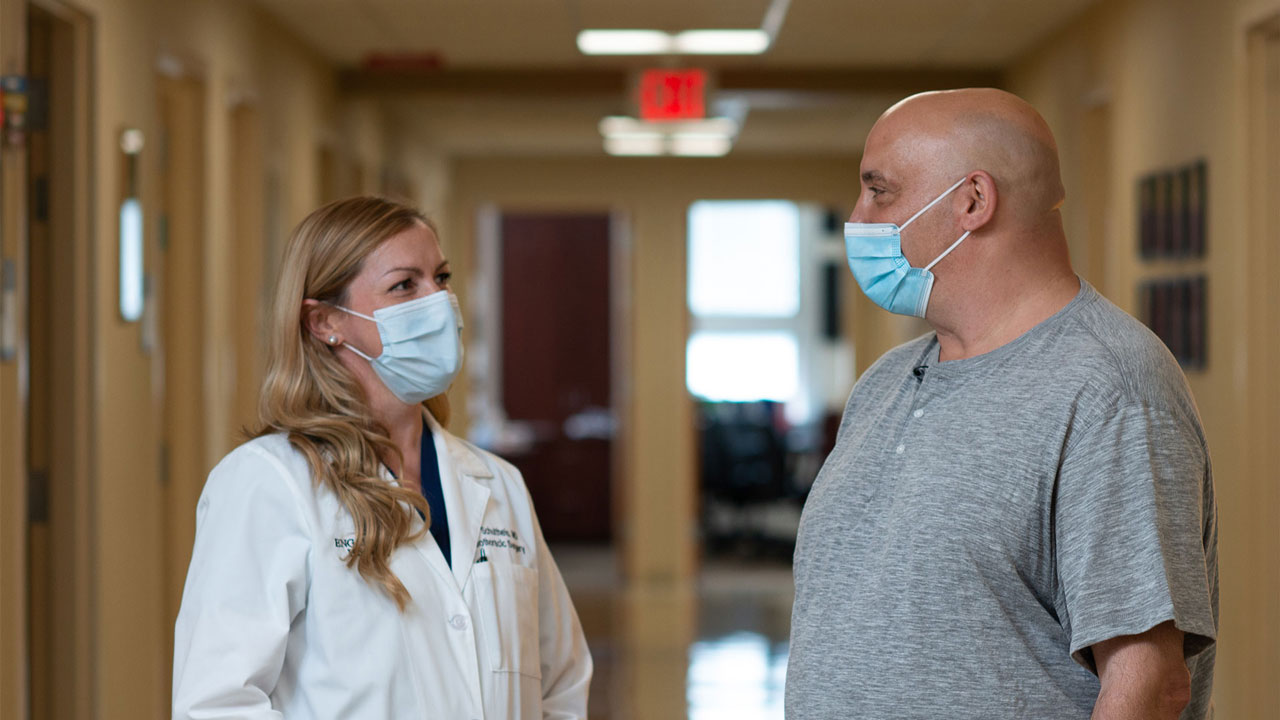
(1122, 353)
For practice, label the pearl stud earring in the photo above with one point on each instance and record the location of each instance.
(333, 340)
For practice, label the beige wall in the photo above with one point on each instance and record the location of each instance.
(658, 487)
(241, 57)
(1167, 79)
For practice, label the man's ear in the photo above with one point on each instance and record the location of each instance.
(979, 197)
(319, 319)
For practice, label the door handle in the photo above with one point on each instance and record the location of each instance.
(149, 330)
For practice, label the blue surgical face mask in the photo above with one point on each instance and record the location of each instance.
(882, 271)
(421, 351)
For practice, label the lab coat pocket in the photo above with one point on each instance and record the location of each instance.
(507, 599)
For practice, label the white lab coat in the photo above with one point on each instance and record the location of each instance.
(274, 624)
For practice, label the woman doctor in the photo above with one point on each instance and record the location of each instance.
(354, 559)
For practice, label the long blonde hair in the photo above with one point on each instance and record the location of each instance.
(308, 394)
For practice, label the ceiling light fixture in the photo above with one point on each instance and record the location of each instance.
(621, 125)
(753, 41)
(624, 42)
(634, 145)
(721, 42)
(695, 145)
(711, 137)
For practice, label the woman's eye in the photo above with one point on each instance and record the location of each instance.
(443, 278)
(404, 284)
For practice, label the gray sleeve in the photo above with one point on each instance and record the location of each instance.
(1135, 531)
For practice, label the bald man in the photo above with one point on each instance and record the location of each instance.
(1017, 520)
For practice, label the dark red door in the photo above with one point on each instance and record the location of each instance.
(556, 366)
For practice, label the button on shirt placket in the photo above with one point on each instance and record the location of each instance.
(918, 398)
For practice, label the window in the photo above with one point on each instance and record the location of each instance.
(744, 259)
(744, 295)
(743, 366)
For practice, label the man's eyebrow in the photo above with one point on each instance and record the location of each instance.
(871, 176)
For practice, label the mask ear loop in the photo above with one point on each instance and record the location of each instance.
(947, 252)
(349, 312)
(936, 200)
(356, 350)
(346, 344)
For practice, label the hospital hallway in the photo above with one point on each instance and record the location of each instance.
(643, 209)
(716, 650)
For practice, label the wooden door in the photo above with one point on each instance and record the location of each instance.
(556, 361)
(181, 288)
(59, 582)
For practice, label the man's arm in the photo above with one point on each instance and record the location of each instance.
(1144, 677)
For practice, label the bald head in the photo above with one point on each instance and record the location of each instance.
(954, 132)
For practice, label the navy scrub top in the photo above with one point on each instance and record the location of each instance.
(429, 472)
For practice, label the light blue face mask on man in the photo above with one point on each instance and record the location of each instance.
(421, 351)
(882, 271)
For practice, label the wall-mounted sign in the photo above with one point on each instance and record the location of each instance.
(1177, 310)
(673, 94)
(1172, 209)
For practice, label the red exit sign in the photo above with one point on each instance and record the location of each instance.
(673, 94)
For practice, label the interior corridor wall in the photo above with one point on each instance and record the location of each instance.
(241, 56)
(1169, 77)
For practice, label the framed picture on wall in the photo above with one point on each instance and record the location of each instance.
(1171, 212)
(1176, 311)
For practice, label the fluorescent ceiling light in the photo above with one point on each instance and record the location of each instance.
(722, 42)
(698, 145)
(689, 42)
(711, 137)
(634, 145)
(619, 125)
(624, 42)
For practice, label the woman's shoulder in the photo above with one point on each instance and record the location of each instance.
(262, 483)
(266, 465)
(270, 449)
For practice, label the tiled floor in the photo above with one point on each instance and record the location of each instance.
(716, 650)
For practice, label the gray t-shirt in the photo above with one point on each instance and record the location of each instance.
(982, 522)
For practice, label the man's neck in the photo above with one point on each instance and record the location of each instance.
(979, 329)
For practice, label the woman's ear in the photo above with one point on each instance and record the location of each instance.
(319, 319)
(980, 198)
